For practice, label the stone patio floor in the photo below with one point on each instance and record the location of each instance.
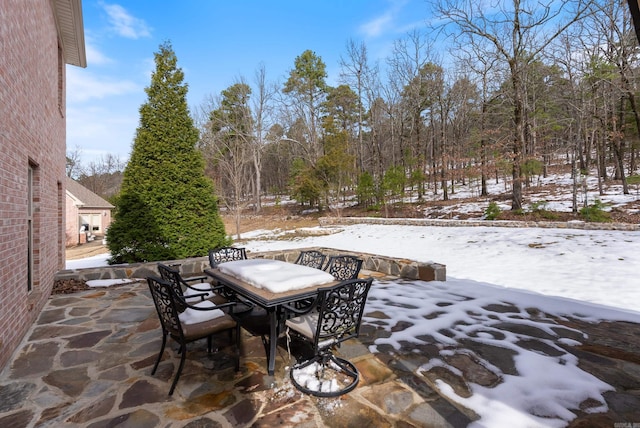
(86, 362)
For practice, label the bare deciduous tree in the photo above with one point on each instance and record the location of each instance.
(262, 118)
(227, 144)
(518, 32)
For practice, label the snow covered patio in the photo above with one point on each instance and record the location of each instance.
(430, 353)
(533, 327)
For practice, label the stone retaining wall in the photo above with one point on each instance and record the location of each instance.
(403, 268)
(336, 221)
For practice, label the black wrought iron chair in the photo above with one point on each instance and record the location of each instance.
(184, 327)
(311, 258)
(226, 254)
(344, 267)
(229, 254)
(253, 319)
(191, 293)
(337, 319)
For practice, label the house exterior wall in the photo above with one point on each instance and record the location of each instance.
(98, 219)
(32, 134)
(73, 224)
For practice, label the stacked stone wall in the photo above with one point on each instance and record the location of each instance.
(372, 264)
(336, 221)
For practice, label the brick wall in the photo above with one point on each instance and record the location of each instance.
(32, 132)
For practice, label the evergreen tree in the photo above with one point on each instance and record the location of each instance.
(307, 88)
(167, 207)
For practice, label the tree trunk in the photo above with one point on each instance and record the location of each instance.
(518, 140)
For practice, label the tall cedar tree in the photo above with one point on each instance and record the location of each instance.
(167, 208)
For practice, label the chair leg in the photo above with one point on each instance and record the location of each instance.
(210, 344)
(265, 343)
(183, 351)
(164, 342)
(237, 347)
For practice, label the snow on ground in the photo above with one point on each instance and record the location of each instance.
(553, 193)
(110, 282)
(592, 275)
(586, 274)
(99, 260)
(547, 385)
(591, 266)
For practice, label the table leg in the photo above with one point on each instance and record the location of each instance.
(273, 340)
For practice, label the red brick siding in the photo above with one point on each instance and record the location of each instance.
(32, 131)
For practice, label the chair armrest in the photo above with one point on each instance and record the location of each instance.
(202, 296)
(231, 306)
(217, 287)
(196, 288)
(195, 278)
(300, 311)
(198, 308)
(211, 286)
(226, 305)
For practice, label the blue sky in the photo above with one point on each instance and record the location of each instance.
(215, 42)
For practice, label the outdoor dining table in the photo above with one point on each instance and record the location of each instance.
(271, 284)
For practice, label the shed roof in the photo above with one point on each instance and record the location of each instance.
(84, 197)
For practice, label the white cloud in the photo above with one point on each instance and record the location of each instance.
(83, 86)
(385, 22)
(378, 25)
(94, 55)
(124, 24)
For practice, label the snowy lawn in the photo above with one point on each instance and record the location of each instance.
(591, 275)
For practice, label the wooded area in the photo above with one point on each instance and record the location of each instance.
(525, 85)
(500, 92)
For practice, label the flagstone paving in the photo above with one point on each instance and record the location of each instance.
(87, 360)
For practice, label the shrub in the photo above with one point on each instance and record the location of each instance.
(492, 212)
(540, 208)
(595, 213)
(549, 215)
(634, 180)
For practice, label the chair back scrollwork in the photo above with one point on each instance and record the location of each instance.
(226, 254)
(311, 258)
(173, 277)
(166, 306)
(344, 267)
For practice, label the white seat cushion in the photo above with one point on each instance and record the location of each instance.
(190, 292)
(194, 316)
